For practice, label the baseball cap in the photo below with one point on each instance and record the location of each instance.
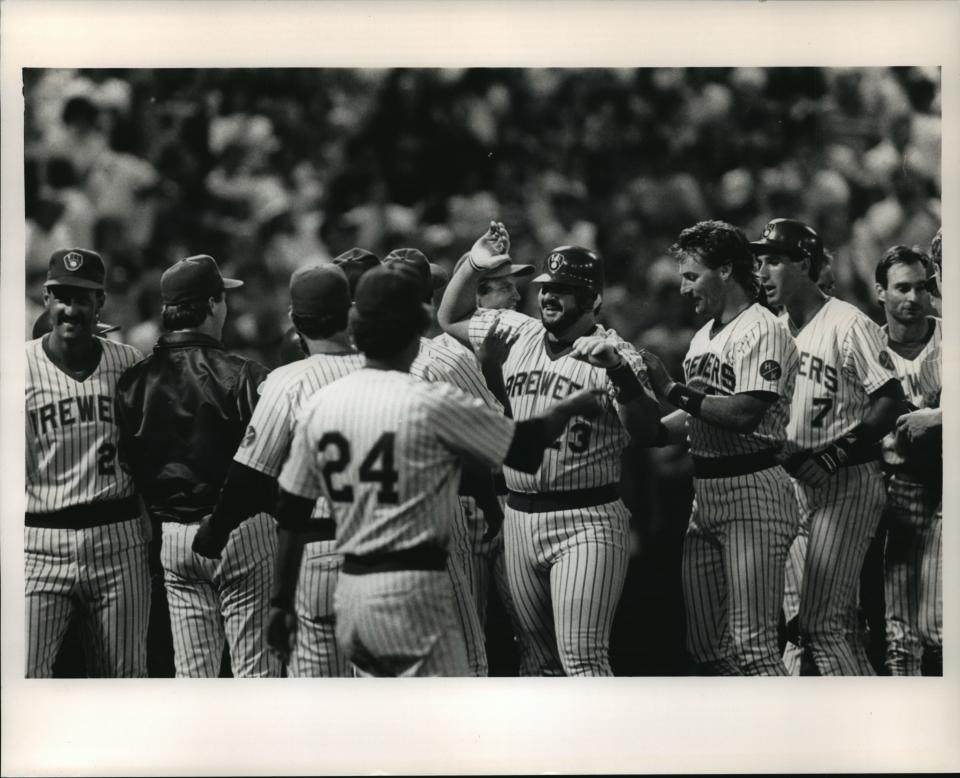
(789, 238)
(355, 262)
(319, 291)
(194, 278)
(509, 269)
(574, 266)
(76, 267)
(417, 261)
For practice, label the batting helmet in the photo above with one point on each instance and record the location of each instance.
(574, 266)
(790, 238)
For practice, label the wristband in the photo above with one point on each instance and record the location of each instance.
(625, 381)
(685, 398)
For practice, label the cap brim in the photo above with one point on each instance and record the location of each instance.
(232, 283)
(103, 329)
(543, 278)
(511, 270)
(760, 247)
(80, 283)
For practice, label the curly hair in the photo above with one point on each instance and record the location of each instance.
(185, 316)
(899, 255)
(717, 243)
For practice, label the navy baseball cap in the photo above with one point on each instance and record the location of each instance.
(789, 238)
(431, 276)
(391, 294)
(76, 267)
(573, 266)
(319, 290)
(355, 262)
(194, 278)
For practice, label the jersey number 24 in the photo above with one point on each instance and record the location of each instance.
(377, 467)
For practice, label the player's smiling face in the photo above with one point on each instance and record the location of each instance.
(73, 311)
(703, 285)
(779, 276)
(906, 298)
(559, 307)
(499, 293)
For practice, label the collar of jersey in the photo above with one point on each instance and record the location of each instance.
(187, 338)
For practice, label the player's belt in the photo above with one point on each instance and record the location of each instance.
(93, 514)
(545, 502)
(315, 530)
(730, 466)
(417, 558)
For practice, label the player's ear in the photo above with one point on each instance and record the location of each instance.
(881, 293)
(725, 271)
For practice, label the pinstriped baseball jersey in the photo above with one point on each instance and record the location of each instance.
(753, 353)
(71, 433)
(394, 474)
(439, 361)
(267, 441)
(843, 358)
(921, 380)
(588, 452)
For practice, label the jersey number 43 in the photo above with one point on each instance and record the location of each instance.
(376, 467)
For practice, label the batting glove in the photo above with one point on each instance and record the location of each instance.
(490, 250)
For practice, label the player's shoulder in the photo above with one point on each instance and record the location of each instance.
(841, 313)
(121, 351)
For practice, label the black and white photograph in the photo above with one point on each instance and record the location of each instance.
(502, 371)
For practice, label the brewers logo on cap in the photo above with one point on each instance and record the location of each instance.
(73, 260)
(554, 261)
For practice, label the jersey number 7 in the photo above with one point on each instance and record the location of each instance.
(377, 467)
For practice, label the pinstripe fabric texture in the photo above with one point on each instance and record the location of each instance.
(734, 554)
(385, 447)
(843, 358)
(103, 572)
(912, 556)
(375, 614)
(563, 628)
(213, 601)
(265, 447)
(741, 527)
(837, 524)
(566, 570)
(444, 359)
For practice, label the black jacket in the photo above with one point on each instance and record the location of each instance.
(182, 413)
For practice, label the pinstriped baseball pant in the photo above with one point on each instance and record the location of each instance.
(734, 554)
(317, 653)
(913, 581)
(566, 571)
(837, 523)
(462, 569)
(104, 572)
(217, 600)
(400, 624)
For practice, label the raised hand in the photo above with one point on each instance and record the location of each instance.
(490, 250)
(496, 344)
(659, 377)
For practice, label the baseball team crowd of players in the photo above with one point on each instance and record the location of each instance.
(348, 513)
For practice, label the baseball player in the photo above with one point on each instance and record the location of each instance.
(566, 535)
(319, 303)
(438, 362)
(912, 558)
(739, 375)
(182, 412)
(85, 547)
(846, 398)
(476, 541)
(385, 448)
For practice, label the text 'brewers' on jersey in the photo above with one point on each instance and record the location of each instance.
(405, 463)
(753, 353)
(71, 431)
(587, 454)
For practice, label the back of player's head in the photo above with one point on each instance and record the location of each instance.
(430, 275)
(792, 239)
(319, 300)
(717, 243)
(388, 312)
(354, 263)
(899, 255)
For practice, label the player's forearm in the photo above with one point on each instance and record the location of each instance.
(641, 419)
(493, 375)
(886, 405)
(291, 512)
(459, 299)
(245, 493)
(740, 413)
